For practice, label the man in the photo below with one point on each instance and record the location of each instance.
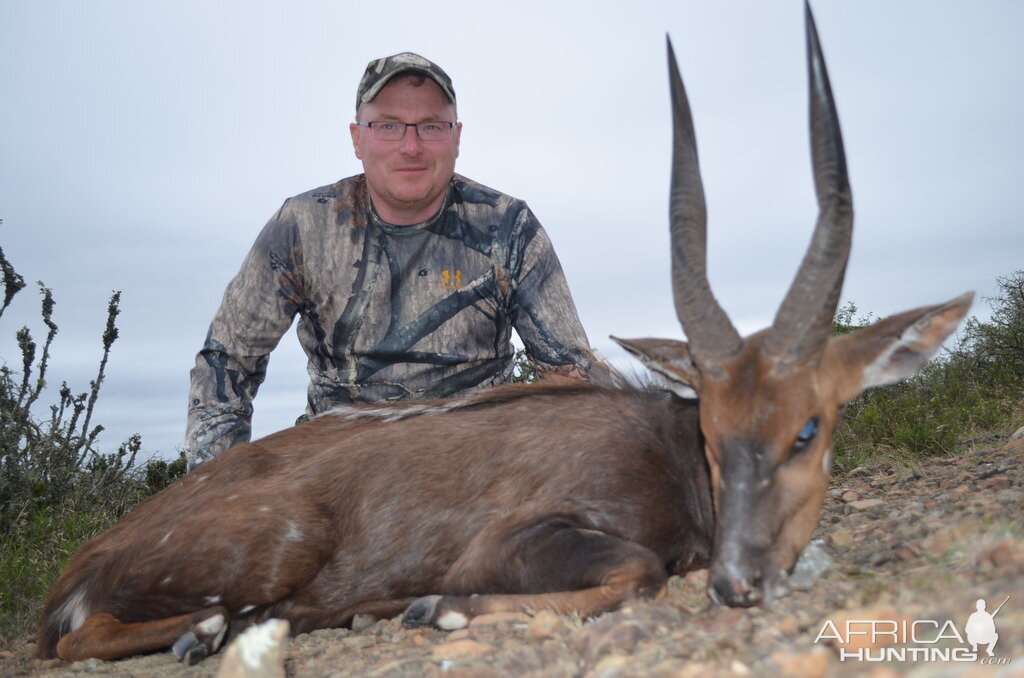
(408, 279)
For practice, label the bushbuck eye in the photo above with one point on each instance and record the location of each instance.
(806, 435)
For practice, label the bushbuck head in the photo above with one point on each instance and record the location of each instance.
(769, 402)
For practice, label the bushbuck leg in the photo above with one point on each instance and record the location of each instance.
(103, 636)
(551, 562)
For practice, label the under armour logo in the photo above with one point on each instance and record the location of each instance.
(451, 279)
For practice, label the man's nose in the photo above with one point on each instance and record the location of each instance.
(411, 143)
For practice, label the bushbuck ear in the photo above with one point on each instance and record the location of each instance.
(894, 348)
(669, 358)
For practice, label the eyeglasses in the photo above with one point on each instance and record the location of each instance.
(392, 130)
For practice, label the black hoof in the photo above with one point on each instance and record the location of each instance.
(194, 656)
(189, 650)
(203, 640)
(421, 612)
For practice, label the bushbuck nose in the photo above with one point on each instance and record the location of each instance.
(737, 591)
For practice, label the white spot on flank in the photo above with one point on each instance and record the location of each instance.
(233, 497)
(247, 608)
(166, 580)
(212, 600)
(450, 621)
(264, 508)
(166, 537)
(293, 533)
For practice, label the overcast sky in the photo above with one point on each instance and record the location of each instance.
(144, 144)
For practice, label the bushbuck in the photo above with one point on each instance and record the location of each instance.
(568, 497)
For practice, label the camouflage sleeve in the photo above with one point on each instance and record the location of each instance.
(542, 309)
(258, 307)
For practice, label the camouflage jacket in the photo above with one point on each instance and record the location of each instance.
(385, 312)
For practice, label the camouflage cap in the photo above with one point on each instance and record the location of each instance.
(380, 71)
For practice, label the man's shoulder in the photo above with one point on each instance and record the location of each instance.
(472, 193)
(323, 195)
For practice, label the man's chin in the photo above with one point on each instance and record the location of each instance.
(411, 202)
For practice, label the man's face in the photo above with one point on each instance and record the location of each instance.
(407, 178)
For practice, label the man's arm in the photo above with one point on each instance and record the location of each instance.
(542, 309)
(258, 307)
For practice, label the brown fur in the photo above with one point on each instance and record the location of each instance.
(331, 517)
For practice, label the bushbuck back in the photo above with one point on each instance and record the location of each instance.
(561, 497)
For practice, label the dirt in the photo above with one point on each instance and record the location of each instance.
(911, 549)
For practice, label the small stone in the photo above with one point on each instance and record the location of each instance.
(355, 642)
(788, 626)
(938, 543)
(850, 496)
(814, 562)
(1014, 445)
(495, 618)
(361, 622)
(840, 537)
(738, 668)
(998, 483)
(459, 634)
(610, 666)
(457, 649)
(544, 625)
(605, 638)
(865, 504)
(697, 578)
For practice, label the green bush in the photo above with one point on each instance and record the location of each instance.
(56, 489)
(975, 388)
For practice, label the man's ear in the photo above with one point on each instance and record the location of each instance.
(458, 137)
(893, 348)
(354, 130)
(669, 358)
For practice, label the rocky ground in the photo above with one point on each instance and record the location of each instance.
(906, 544)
